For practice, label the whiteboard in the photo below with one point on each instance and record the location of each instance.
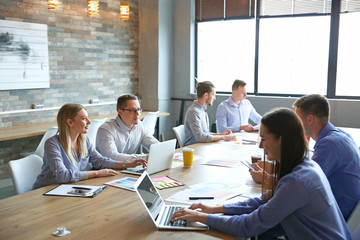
(24, 59)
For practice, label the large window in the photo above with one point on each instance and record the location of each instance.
(293, 55)
(226, 52)
(288, 47)
(348, 65)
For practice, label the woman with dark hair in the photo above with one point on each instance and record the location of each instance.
(67, 154)
(302, 203)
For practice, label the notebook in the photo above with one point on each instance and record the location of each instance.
(159, 212)
(160, 158)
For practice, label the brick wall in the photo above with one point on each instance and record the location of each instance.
(89, 57)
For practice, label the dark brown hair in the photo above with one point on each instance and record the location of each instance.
(204, 87)
(284, 123)
(314, 104)
(122, 100)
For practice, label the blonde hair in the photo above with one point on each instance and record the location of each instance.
(69, 111)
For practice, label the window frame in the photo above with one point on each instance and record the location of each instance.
(332, 59)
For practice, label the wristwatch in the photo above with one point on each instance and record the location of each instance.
(125, 164)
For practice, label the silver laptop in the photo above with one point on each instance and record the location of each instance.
(160, 158)
(158, 211)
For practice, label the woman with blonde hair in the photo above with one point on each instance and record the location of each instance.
(67, 154)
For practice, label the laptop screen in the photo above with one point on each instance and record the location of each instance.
(150, 196)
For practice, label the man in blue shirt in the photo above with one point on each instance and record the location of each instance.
(235, 112)
(335, 151)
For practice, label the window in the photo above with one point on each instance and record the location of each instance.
(293, 55)
(348, 67)
(226, 52)
(286, 50)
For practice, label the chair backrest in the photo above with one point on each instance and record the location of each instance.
(180, 134)
(353, 222)
(24, 172)
(40, 148)
(149, 121)
(93, 128)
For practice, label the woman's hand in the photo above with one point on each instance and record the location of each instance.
(257, 174)
(189, 215)
(206, 208)
(105, 172)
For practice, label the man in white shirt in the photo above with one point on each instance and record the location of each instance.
(121, 137)
(235, 112)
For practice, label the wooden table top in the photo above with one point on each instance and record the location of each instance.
(117, 213)
(35, 129)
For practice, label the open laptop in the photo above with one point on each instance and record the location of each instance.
(159, 212)
(160, 158)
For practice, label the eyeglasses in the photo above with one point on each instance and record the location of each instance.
(133, 110)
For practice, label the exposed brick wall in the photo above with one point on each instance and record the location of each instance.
(89, 57)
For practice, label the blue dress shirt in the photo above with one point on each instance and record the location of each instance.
(231, 116)
(302, 203)
(339, 157)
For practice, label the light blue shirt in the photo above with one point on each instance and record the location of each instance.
(58, 168)
(115, 140)
(231, 116)
(302, 203)
(339, 157)
(197, 125)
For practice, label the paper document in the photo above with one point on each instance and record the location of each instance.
(125, 183)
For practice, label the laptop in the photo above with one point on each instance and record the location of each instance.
(159, 212)
(160, 158)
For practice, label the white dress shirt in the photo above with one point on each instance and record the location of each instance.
(115, 140)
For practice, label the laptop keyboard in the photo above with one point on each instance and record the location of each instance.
(171, 210)
(141, 170)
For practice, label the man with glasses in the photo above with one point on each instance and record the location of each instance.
(235, 112)
(121, 137)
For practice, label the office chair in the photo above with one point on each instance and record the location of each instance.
(149, 122)
(353, 222)
(49, 133)
(24, 172)
(93, 128)
(180, 134)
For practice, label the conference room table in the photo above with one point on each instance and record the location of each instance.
(118, 213)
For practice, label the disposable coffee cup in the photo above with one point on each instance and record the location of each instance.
(255, 158)
(188, 156)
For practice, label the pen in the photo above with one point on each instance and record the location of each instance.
(82, 188)
(198, 198)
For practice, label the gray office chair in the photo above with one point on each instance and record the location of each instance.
(93, 128)
(149, 121)
(49, 133)
(353, 222)
(24, 172)
(180, 134)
